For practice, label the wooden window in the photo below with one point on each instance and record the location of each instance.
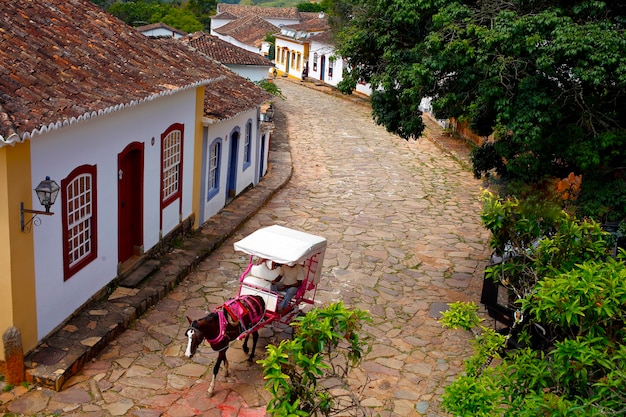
(78, 191)
(214, 168)
(171, 163)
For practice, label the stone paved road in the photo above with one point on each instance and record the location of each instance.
(404, 238)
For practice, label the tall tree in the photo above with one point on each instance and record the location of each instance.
(145, 12)
(203, 9)
(546, 77)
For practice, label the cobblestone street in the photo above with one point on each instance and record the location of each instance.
(404, 239)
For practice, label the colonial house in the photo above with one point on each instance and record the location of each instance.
(235, 142)
(277, 16)
(293, 45)
(325, 65)
(304, 48)
(247, 64)
(248, 32)
(135, 142)
(161, 30)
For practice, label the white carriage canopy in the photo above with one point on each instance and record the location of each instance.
(281, 244)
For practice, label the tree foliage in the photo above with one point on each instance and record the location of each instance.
(546, 77)
(308, 376)
(561, 277)
(203, 10)
(191, 17)
(313, 7)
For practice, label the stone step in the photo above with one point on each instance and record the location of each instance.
(139, 274)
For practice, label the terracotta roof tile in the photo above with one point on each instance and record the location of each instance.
(249, 30)
(309, 15)
(225, 52)
(225, 15)
(323, 37)
(65, 60)
(311, 25)
(241, 10)
(232, 95)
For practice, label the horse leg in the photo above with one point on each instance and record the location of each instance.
(255, 338)
(245, 344)
(221, 357)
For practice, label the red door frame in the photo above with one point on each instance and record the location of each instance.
(130, 200)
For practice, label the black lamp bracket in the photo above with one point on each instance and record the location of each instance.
(34, 220)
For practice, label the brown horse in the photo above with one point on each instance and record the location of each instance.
(225, 325)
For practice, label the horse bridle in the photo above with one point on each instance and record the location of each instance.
(193, 327)
(220, 335)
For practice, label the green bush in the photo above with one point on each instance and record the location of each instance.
(308, 376)
(562, 277)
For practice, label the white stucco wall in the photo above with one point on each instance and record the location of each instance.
(99, 141)
(328, 51)
(162, 32)
(249, 176)
(281, 64)
(252, 72)
(216, 22)
(276, 21)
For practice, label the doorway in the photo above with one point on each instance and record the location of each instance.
(262, 158)
(130, 201)
(231, 182)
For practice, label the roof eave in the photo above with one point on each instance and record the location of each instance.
(17, 137)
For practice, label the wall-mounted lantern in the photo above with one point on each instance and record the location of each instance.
(47, 192)
(269, 113)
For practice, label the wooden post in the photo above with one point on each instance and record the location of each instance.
(14, 356)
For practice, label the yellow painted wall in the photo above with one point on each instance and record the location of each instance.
(197, 163)
(17, 270)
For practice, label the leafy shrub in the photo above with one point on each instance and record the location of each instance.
(561, 273)
(307, 376)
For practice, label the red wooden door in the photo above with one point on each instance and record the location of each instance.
(130, 201)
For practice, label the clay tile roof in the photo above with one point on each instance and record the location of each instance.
(63, 61)
(309, 15)
(311, 25)
(231, 95)
(250, 30)
(225, 52)
(240, 10)
(323, 37)
(224, 15)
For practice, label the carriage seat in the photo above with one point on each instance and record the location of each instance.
(263, 272)
(258, 282)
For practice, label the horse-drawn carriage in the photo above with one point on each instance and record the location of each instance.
(275, 253)
(278, 246)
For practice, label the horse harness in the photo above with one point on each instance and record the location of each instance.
(245, 311)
